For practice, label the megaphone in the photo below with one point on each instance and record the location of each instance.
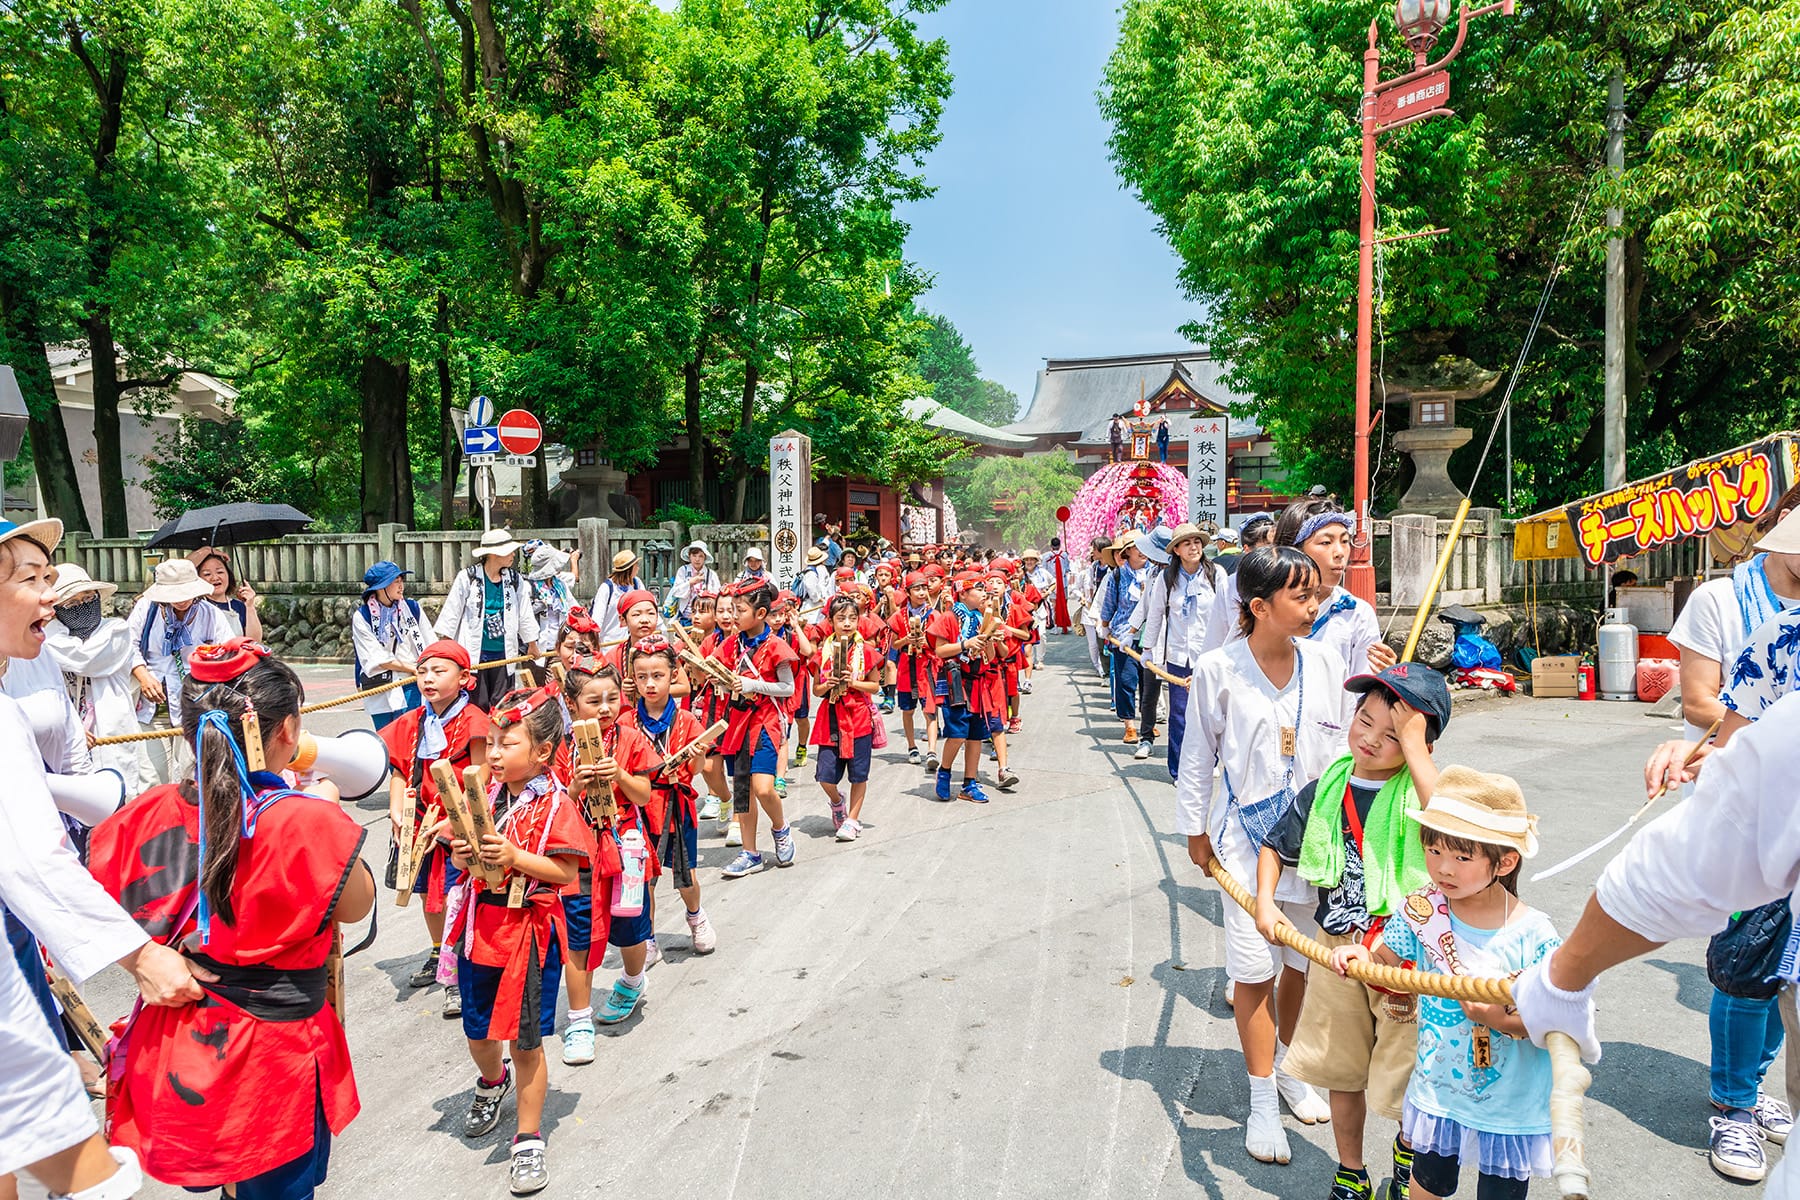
(90, 799)
(356, 761)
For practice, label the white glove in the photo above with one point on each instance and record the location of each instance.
(1546, 1008)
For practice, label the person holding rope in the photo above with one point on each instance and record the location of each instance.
(252, 878)
(489, 612)
(387, 634)
(1178, 600)
(1267, 713)
(1119, 598)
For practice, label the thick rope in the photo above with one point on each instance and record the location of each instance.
(149, 735)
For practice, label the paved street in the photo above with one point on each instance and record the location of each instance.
(1022, 1000)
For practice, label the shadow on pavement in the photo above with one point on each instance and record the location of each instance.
(1655, 1090)
(1693, 990)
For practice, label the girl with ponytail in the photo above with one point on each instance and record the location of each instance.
(249, 878)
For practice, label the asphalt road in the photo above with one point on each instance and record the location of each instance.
(1021, 1000)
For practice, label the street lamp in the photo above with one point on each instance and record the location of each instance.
(1418, 95)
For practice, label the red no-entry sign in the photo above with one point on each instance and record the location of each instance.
(520, 432)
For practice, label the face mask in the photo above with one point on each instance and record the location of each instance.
(81, 616)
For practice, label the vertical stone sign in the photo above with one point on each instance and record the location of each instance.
(1208, 443)
(790, 505)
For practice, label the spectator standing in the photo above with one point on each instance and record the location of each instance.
(387, 632)
(605, 609)
(551, 573)
(488, 613)
(94, 654)
(692, 578)
(237, 599)
(167, 623)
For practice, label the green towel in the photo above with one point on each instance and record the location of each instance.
(1393, 855)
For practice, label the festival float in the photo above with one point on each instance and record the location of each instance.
(1134, 494)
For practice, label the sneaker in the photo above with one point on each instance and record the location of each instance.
(452, 1003)
(1024, 687)
(840, 812)
(1008, 779)
(781, 786)
(484, 1109)
(1736, 1150)
(800, 757)
(943, 784)
(971, 791)
(1401, 1187)
(914, 757)
(709, 809)
(744, 864)
(848, 830)
(1143, 751)
(784, 847)
(705, 940)
(621, 1002)
(528, 1174)
(1773, 1118)
(1308, 1107)
(652, 954)
(578, 1043)
(1351, 1185)
(1014, 725)
(734, 834)
(426, 975)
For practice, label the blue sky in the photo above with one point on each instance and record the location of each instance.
(1037, 251)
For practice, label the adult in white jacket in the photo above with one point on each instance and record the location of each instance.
(167, 623)
(47, 1126)
(95, 655)
(488, 613)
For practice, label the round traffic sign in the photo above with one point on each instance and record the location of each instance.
(1062, 514)
(520, 432)
(481, 411)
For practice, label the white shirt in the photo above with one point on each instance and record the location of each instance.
(1175, 616)
(210, 626)
(407, 643)
(687, 581)
(97, 673)
(1711, 625)
(36, 684)
(1352, 633)
(1234, 720)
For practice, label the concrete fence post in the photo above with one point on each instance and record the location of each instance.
(386, 541)
(1414, 558)
(593, 536)
(1494, 550)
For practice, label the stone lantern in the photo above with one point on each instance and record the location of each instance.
(1434, 434)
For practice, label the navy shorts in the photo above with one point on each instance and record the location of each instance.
(479, 986)
(630, 931)
(296, 1179)
(452, 876)
(578, 912)
(764, 762)
(832, 765)
(910, 701)
(959, 722)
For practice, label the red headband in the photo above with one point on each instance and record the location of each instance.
(525, 706)
(445, 648)
(580, 622)
(638, 596)
(917, 579)
(225, 661)
(656, 643)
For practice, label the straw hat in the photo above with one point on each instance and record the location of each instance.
(814, 557)
(176, 581)
(624, 560)
(1110, 555)
(72, 580)
(46, 532)
(1029, 553)
(496, 542)
(1185, 531)
(1482, 808)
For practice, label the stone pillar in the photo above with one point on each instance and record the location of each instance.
(385, 537)
(1413, 557)
(593, 537)
(1430, 449)
(1494, 554)
(790, 504)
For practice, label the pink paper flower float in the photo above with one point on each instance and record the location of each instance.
(1141, 494)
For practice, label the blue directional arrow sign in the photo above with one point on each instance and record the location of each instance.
(481, 439)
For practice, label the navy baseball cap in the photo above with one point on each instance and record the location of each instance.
(382, 574)
(1416, 686)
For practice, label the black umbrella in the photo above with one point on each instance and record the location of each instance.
(228, 525)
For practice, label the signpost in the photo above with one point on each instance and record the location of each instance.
(1208, 439)
(520, 432)
(790, 504)
(481, 411)
(480, 439)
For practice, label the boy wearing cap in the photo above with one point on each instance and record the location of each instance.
(488, 612)
(387, 633)
(1361, 851)
(445, 725)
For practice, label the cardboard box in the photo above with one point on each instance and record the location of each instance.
(1556, 676)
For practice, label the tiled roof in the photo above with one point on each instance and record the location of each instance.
(1079, 396)
(922, 408)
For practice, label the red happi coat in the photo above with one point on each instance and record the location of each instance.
(981, 681)
(917, 671)
(212, 1094)
(765, 714)
(631, 750)
(493, 935)
(401, 737)
(839, 723)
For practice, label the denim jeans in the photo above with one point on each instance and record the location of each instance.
(1125, 686)
(1178, 704)
(1746, 1034)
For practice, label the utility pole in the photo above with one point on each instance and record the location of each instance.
(1612, 457)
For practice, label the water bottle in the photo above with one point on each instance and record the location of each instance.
(628, 893)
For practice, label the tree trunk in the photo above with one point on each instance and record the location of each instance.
(114, 522)
(50, 456)
(752, 351)
(696, 434)
(386, 469)
(747, 419)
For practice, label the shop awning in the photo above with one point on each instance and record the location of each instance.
(1693, 500)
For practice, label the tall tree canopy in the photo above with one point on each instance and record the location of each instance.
(945, 361)
(1235, 121)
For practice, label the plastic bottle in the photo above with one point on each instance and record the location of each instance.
(628, 893)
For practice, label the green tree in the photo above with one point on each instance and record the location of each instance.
(945, 361)
(1023, 495)
(1235, 122)
(210, 462)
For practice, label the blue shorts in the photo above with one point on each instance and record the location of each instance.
(578, 912)
(479, 986)
(630, 931)
(909, 701)
(452, 876)
(764, 762)
(832, 765)
(958, 722)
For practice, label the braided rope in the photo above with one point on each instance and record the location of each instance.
(149, 735)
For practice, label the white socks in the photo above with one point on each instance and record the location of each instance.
(1264, 1138)
(1308, 1107)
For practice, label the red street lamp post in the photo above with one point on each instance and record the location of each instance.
(1418, 95)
